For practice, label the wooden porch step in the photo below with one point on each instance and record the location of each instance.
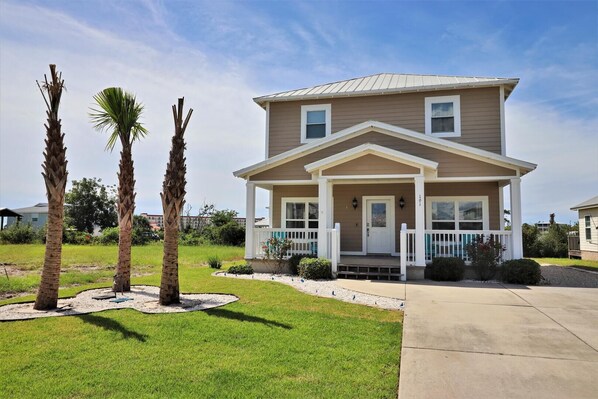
(369, 276)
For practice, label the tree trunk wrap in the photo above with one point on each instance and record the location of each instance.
(126, 208)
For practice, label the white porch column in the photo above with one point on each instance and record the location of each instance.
(324, 192)
(250, 220)
(420, 227)
(516, 221)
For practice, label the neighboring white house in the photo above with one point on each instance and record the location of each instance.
(588, 229)
(36, 215)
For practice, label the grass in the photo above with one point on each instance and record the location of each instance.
(582, 264)
(274, 342)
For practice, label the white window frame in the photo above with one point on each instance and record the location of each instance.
(456, 200)
(306, 200)
(588, 227)
(316, 107)
(456, 100)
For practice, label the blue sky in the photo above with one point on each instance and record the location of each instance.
(220, 54)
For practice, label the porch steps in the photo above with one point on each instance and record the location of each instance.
(369, 272)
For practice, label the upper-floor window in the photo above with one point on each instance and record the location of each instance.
(443, 116)
(588, 228)
(315, 122)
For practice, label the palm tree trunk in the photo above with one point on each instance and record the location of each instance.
(55, 175)
(173, 194)
(126, 207)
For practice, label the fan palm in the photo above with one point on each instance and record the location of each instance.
(173, 199)
(55, 175)
(119, 114)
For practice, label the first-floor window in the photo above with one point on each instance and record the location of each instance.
(588, 228)
(457, 213)
(300, 213)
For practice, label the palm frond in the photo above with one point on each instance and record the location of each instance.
(119, 113)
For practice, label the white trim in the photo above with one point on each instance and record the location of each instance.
(501, 206)
(324, 194)
(456, 199)
(516, 221)
(306, 200)
(249, 215)
(503, 139)
(390, 130)
(270, 207)
(420, 195)
(467, 179)
(369, 177)
(456, 100)
(327, 108)
(390, 216)
(267, 152)
(373, 149)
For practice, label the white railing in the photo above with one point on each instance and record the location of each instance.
(305, 241)
(449, 243)
(333, 245)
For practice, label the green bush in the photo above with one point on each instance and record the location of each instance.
(70, 236)
(315, 268)
(294, 262)
(214, 262)
(109, 236)
(18, 233)
(192, 238)
(241, 269)
(485, 255)
(521, 271)
(446, 269)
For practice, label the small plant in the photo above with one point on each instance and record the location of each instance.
(315, 268)
(241, 269)
(277, 249)
(485, 255)
(294, 262)
(214, 262)
(521, 271)
(18, 233)
(446, 269)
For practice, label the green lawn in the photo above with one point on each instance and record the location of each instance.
(275, 342)
(583, 264)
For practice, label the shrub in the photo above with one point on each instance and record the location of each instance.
(521, 271)
(192, 238)
(241, 269)
(294, 262)
(231, 233)
(214, 262)
(315, 268)
(109, 236)
(446, 269)
(485, 255)
(276, 250)
(18, 233)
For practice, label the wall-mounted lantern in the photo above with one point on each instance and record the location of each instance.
(354, 203)
(401, 202)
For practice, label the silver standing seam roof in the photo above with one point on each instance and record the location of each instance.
(387, 83)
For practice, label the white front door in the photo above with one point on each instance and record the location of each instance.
(378, 226)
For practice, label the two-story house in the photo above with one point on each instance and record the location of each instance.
(355, 165)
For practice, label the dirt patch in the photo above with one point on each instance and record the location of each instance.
(11, 269)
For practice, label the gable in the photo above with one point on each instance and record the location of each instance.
(449, 164)
(371, 164)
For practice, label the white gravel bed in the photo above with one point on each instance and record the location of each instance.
(144, 299)
(323, 288)
(561, 276)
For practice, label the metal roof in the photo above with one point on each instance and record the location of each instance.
(591, 203)
(41, 207)
(388, 83)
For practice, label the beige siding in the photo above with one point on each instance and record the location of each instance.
(480, 116)
(584, 244)
(370, 165)
(450, 165)
(351, 219)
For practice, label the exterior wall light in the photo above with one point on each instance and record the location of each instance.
(401, 202)
(354, 203)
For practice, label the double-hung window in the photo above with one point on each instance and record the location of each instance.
(588, 227)
(315, 122)
(299, 213)
(457, 213)
(443, 116)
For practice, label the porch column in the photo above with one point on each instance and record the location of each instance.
(324, 194)
(249, 220)
(420, 246)
(516, 222)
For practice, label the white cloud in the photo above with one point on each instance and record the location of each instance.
(566, 151)
(225, 132)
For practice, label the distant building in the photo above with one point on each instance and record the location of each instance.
(585, 243)
(36, 215)
(194, 222)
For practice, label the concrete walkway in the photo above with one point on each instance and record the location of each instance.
(474, 340)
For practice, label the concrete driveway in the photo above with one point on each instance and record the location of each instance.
(486, 340)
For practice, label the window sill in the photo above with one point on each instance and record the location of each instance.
(445, 134)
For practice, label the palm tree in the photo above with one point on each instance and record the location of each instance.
(55, 175)
(119, 113)
(173, 199)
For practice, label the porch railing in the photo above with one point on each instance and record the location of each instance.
(305, 241)
(451, 243)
